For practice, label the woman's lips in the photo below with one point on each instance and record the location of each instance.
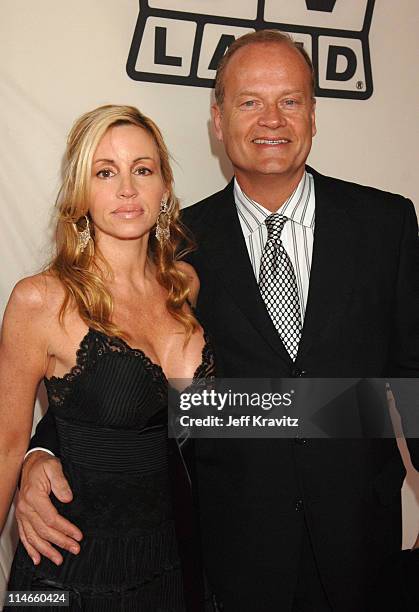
(128, 212)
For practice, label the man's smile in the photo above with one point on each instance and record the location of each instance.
(271, 141)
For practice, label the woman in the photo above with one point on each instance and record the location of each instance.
(106, 325)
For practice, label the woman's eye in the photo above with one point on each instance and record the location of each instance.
(142, 171)
(105, 173)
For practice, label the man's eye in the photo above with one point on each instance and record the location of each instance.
(105, 173)
(249, 103)
(290, 102)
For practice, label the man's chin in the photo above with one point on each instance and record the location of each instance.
(270, 171)
(276, 169)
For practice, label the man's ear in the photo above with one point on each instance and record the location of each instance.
(216, 118)
(313, 119)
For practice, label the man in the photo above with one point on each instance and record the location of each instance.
(301, 275)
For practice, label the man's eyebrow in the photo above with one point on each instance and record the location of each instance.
(289, 92)
(247, 93)
(257, 94)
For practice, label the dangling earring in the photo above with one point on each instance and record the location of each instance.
(84, 236)
(163, 232)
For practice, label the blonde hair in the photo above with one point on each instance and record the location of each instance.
(84, 280)
(258, 37)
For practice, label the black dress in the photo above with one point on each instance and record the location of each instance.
(111, 416)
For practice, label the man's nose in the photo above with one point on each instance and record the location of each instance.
(127, 187)
(272, 116)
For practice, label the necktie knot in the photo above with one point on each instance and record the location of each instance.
(275, 224)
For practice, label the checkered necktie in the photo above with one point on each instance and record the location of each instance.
(278, 286)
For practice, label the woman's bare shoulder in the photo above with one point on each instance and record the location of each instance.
(40, 295)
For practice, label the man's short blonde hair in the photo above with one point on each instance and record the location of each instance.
(259, 37)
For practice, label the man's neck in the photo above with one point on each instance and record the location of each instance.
(271, 191)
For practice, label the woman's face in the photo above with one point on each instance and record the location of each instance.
(126, 183)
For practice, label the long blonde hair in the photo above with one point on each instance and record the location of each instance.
(83, 279)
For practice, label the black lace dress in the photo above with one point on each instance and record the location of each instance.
(111, 417)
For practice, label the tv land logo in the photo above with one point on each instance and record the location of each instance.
(181, 41)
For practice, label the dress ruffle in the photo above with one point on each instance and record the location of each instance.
(133, 571)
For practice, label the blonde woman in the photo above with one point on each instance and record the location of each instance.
(106, 325)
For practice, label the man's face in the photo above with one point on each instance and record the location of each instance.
(267, 119)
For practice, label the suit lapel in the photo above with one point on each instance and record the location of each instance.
(332, 270)
(228, 256)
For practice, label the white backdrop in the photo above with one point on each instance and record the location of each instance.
(60, 59)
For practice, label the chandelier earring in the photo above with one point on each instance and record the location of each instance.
(84, 236)
(163, 223)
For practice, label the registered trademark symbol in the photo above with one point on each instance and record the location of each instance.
(360, 84)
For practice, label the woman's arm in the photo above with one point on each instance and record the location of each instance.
(23, 361)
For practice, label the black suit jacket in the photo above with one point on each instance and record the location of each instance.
(362, 320)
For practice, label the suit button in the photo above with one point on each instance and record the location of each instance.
(299, 505)
(301, 441)
(298, 372)
(218, 605)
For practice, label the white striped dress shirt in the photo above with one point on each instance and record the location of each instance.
(297, 235)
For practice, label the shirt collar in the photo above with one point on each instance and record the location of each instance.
(299, 207)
